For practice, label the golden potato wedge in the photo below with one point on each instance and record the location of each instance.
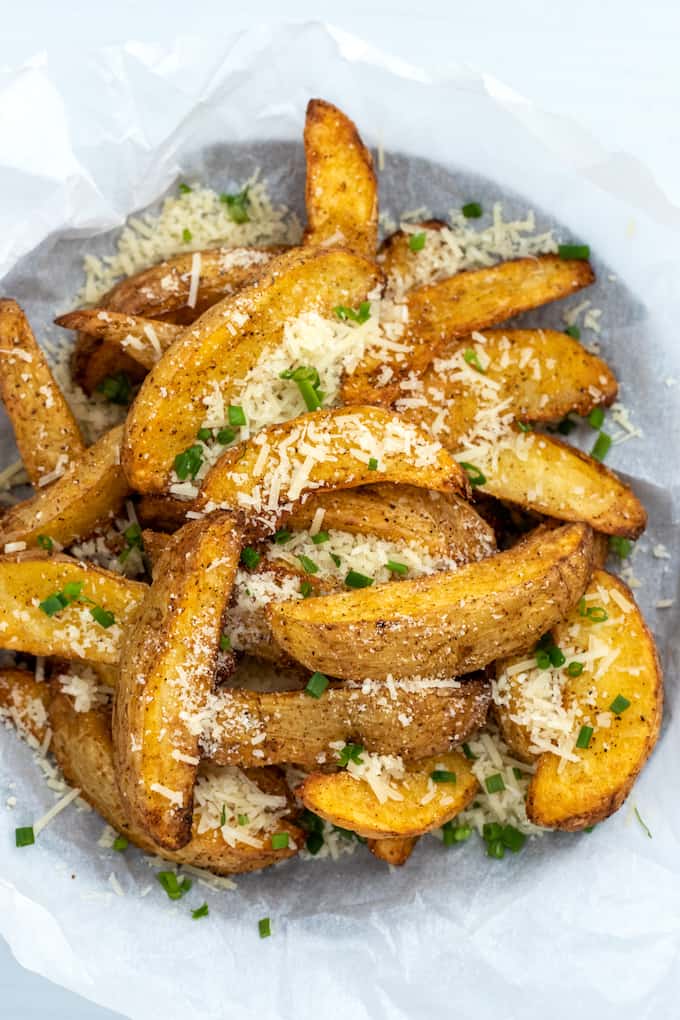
(88, 494)
(455, 307)
(444, 624)
(545, 475)
(71, 633)
(167, 669)
(162, 292)
(343, 800)
(265, 476)
(341, 192)
(445, 525)
(81, 742)
(400, 263)
(24, 702)
(298, 728)
(393, 851)
(162, 513)
(578, 793)
(45, 430)
(216, 352)
(143, 340)
(533, 374)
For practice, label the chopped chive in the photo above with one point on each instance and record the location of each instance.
(644, 826)
(589, 828)
(373, 464)
(356, 580)
(442, 776)
(116, 388)
(223, 815)
(583, 739)
(174, 888)
(250, 557)
(24, 836)
(309, 821)
(336, 559)
(512, 838)
(45, 542)
(396, 568)
(279, 841)
(350, 752)
(524, 426)
(306, 589)
(468, 753)
(201, 911)
(491, 831)
(574, 251)
(72, 590)
(236, 415)
(621, 546)
(475, 476)
(455, 833)
(566, 426)
(225, 643)
(495, 783)
(496, 849)
(542, 659)
(186, 235)
(188, 462)
(574, 332)
(52, 604)
(472, 358)
(601, 446)
(184, 189)
(557, 657)
(225, 436)
(472, 210)
(309, 566)
(314, 842)
(204, 435)
(416, 242)
(242, 819)
(309, 395)
(575, 668)
(517, 773)
(619, 704)
(102, 616)
(320, 537)
(237, 205)
(361, 315)
(120, 844)
(282, 536)
(264, 927)
(316, 685)
(596, 418)
(595, 613)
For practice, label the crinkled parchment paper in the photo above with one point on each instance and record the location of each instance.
(585, 925)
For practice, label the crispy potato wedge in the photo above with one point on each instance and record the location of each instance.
(300, 729)
(81, 742)
(575, 794)
(393, 851)
(216, 352)
(324, 450)
(167, 669)
(542, 474)
(444, 624)
(88, 494)
(445, 525)
(25, 581)
(162, 513)
(143, 340)
(24, 702)
(455, 307)
(45, 430)
(534, 374)
(351, 803)
(341, 192)
(162, 292)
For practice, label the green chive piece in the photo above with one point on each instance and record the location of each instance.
(279, 841)
(316, 685)
(102, 616)
(52, 605)
(225, 643)
(442, 776)
(574, 251)
(517, 773)
(575, 668)
(397, 568)
(320, 537)
(174, 887)
(472, 358)
(236, 415)
(309, 394)
(336, 559)
(306, 589)
(309, 821)
(524, 426)
(416, 242)
(574, 332)
(619, 704)
(223, 815)
(373, 464)
(250, 557)
(188, 462)
(120, 844)
(282, 536)
(557, 657)
(475, 476)
(495, 783)
(45, 542)
(621, 546)
(542, 659)
(566, 426)
(472, 210)
(184, 189)
(350, 752)
(595, 613)
(72, 590)
(496, 849)
(237, 205)
(264, 927)
(644, 826)
(361, 315)
(187, 235)
(491, 831)
(455, 833)
(201, 911)
(225, 436)
(314, 842)
(356, 580)
(242, 819)
(512, 838)
(116, 388)
(583, 739)
(601, 447)
(596, 418)
(468, 753)
(204, 435)
(24, 836)
(309, 566)
(589, 828)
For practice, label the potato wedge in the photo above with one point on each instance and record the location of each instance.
(444, 624)
(81, 742)
(162, 513)
(162, 292)
(300, 729)
(88, 494)
(455, 307)
(542, 474)
(402, 265)
(143, 340)
(620, 662)
(341, 192)
(24, 702)
(167, 669)
(71, 633)
(394, 851)
(324, 450)
(45, 430)
(535, 375)
(351, 803)
(445, 525)
(218, 350)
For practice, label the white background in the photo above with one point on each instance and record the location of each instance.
(613, 66)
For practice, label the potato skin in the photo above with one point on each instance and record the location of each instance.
(446, 624)
(395, 851)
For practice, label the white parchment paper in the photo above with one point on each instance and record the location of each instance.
(584, 925)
